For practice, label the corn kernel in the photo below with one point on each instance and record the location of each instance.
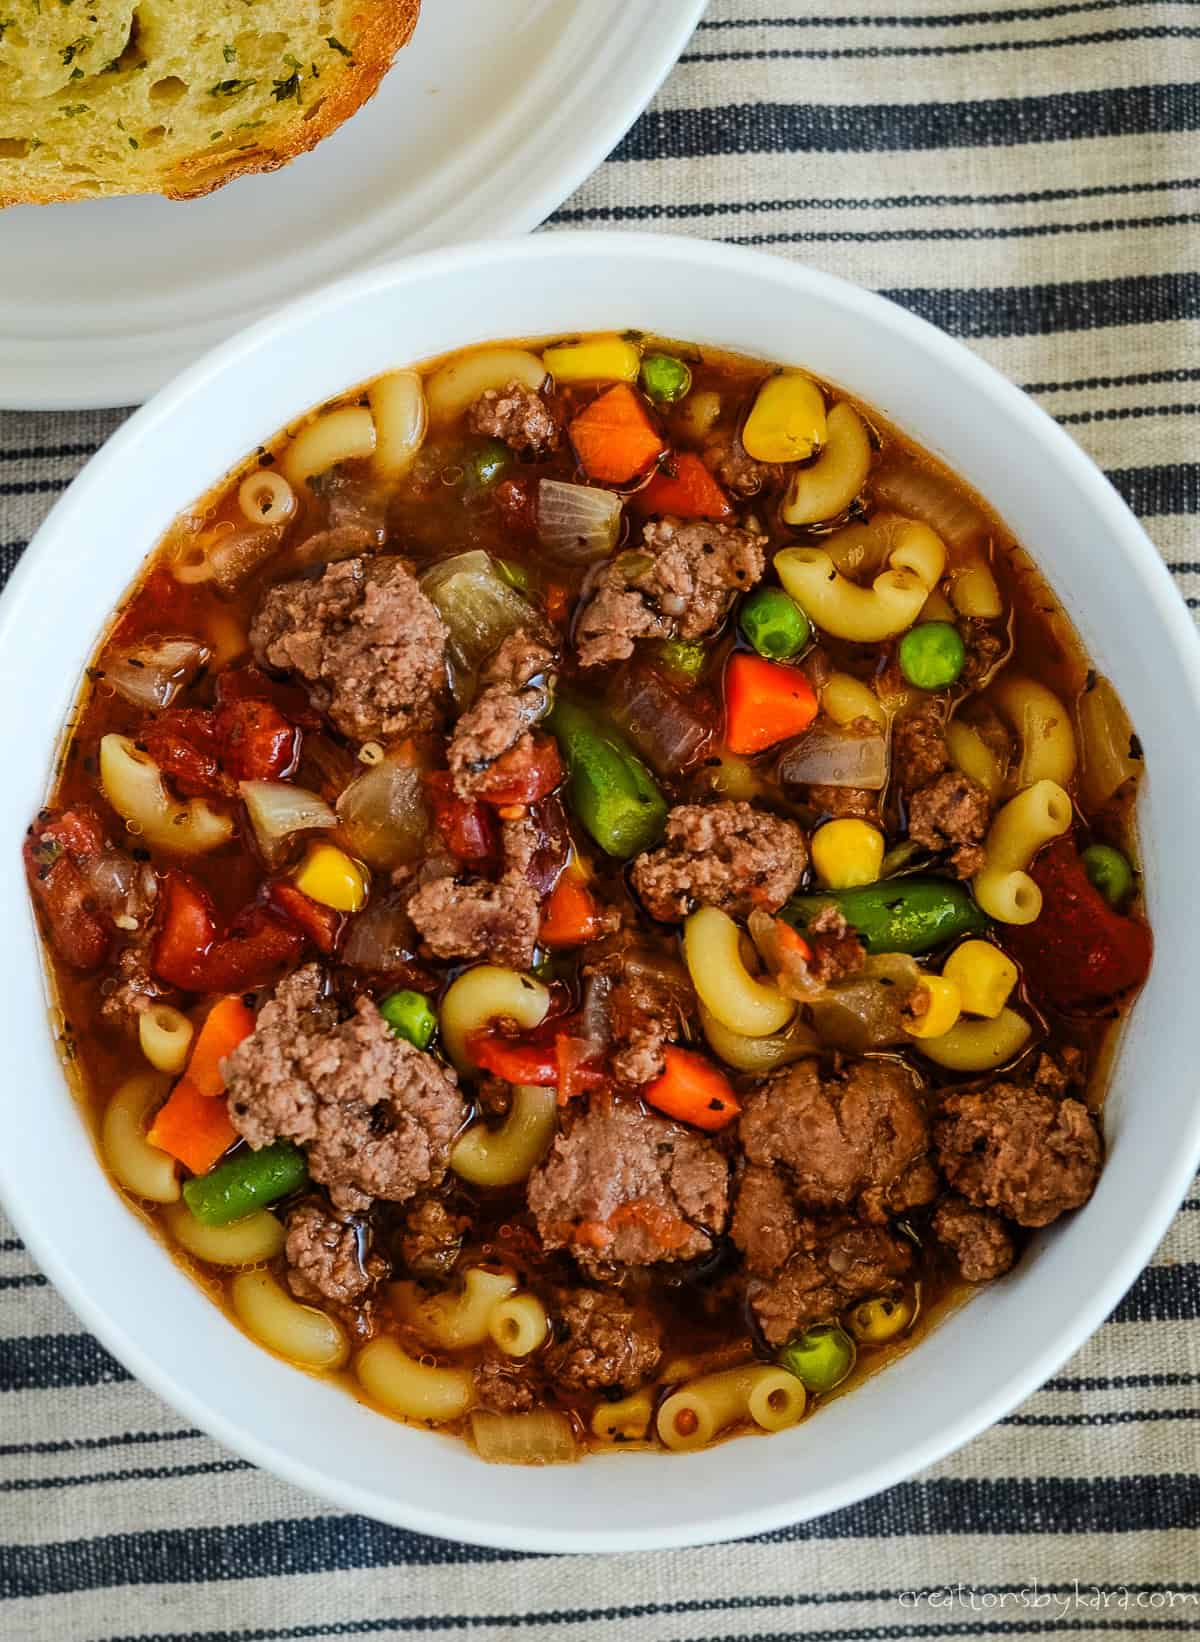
(847, 853)
(984, 976)
(606, 359)
(874, 1322)
(333, 878)
(787, 420)
(945, 1006)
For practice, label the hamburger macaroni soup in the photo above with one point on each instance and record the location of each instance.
(589, 890)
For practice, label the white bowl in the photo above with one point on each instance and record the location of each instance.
(982, 1360)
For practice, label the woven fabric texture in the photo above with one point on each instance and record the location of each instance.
(1027, 177)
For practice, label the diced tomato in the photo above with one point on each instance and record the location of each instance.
(558, 603)
(183, 743)
(56, 850)
(1079, 953)
(529, 771)
(684, 486)
(467, 827)
(187, 951)
(321, 924)
(513, 1060)
(250, 683)
(255, 741)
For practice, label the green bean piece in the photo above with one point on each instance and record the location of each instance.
(1109, 871)
(681, 657)
(665, 378)
(912, 915)
(608, 787)
(248, 1181)
(774, 624)
(486, 464)
(409, 1016)
(932, 655)
(515, 574)
(820, 1358)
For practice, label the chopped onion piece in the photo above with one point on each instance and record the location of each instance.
(277, 809)
(837, 755)
(577, 523)
(920, 493)
(866, 1011)
(380, 938)
(543, 1437)
(480, 609)
(669, 729)
(384, 815)
(152, 674)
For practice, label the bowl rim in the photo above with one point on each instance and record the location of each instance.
(37, 1230)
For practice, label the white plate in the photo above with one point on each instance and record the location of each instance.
(492, 114)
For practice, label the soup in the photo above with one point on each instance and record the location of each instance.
(589, 891)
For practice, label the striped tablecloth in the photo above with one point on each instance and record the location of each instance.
(1027, 177)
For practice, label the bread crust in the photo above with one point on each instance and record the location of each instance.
(387, 30)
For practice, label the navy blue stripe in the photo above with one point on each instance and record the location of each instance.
(900, 236)
(1136, 379)
(46, 1362)
(123, 1439)
(11, 1245)
(1123, 1416)
(857, 53)
(870, 128)
(48, 453)
(1097, 1382)
(1043, 310)
(1005, 1505)
(1153, 492)
(26, 1280)
(432, 1623)
(886, 202)
(1162, 1294)
(953, 19)
(1125, 413)
(32, 487)
(154, 1473)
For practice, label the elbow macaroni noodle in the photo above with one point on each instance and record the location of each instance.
(828, 487)
(133, 785)
(247, 1242)
(145, 1171)
(454, 1320)
(759, 1055)
(266, 498)
(414, 1390)
(979, 1045)
(485, 994)
(726, 988)
(972, 755)
(505, 1156)
(519, 1325)
(165, 1036)
(449, 391)
(1003, 887)
(340, 435)
(398, 405)
(845, 698)
(692, 1416)
(1043, 728)
(302, 1334)
(866, 614)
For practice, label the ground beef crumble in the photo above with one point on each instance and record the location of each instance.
(502, 714)
(602, 1342)
(1017, 1151)
(366, 640)
(979, 1240)
(679, 583)
(727, 855)
(947, 811)
(375, 1116)
(520, 417)
(325, 1256)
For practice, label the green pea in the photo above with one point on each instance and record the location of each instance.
(681, 657)
(486, 464)
(665, 378)
(409, 1016)
(932, 655)
(820, 1358)
(1108, 869)
(774, 624)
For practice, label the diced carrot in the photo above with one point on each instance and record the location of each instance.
(690, 492)
(228, 1022)
(192, 1127)
(614, 437)
(765, 702)
(693, 1090)
(572, 915)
